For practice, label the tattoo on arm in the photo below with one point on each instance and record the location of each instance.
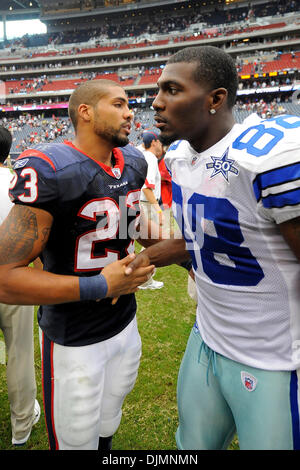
(18, 234)
(45, 235)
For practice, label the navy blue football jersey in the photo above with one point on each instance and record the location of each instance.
(95, 210)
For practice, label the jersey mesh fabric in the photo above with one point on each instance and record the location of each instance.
(83, 199)
(247, 277)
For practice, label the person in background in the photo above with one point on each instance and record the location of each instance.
(152, 150)
(166, 181)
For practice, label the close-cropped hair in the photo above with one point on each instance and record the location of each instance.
(89, 92)
(5, 143)
(215, 68)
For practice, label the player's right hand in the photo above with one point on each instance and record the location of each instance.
(119, 283)
(141, 259)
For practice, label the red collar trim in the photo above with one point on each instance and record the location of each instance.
(109, 170)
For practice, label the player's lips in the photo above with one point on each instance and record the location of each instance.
(127, 128)
(160, 122)
(160, 125)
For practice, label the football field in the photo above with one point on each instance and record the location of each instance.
(150, 419)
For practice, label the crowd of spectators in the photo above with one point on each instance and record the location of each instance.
(58, 66)
(261, 107)
(161, 22)
(26, 86)
(267, 82)
(29, 129)
(135, 72)
(157, 20)
(35, 129)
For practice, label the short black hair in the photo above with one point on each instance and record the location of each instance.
(216, 68)
(5, 143)
(88, 92)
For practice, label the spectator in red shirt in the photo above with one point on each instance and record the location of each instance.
(166, 184)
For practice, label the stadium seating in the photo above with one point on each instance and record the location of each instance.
(146, 117)
(285, 62)
(65, 59)
(150, 76)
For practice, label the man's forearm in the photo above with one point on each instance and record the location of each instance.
(151, 197)
(291, 233)
(23, 285)
(31, 286)
(165, 252)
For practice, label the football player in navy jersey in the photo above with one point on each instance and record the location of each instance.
(236, 197)
(74, 205)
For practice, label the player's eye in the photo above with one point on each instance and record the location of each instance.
(172, 90)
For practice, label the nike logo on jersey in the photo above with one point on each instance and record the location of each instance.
(222, 165)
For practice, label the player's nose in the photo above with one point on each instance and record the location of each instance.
(158, 102)
(128, 114)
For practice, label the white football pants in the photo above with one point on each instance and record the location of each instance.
(84, 388)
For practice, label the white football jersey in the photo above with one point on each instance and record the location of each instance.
(153, 179)
(231, 198)
(6, 204)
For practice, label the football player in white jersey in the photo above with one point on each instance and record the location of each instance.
(236, 195)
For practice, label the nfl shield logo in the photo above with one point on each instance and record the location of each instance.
(117, 172)
(249, 381)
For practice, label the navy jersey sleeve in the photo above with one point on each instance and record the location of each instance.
(136, 159)
(34, 181)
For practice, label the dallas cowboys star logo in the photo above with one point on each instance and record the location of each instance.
(222, 165)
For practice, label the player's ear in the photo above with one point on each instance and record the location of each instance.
(85, 112)
(217, 98)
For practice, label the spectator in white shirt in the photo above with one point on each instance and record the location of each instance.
(152, 149)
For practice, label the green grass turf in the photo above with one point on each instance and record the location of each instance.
(150, 418)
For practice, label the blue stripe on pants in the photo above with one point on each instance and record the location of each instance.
(295, 409)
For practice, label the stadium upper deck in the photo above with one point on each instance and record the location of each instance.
(150, 19)
(264, 47)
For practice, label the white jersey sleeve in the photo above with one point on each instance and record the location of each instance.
(5, 178)
(277, 181)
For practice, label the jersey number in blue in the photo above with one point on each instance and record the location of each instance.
(247, 271)
(275, 135)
